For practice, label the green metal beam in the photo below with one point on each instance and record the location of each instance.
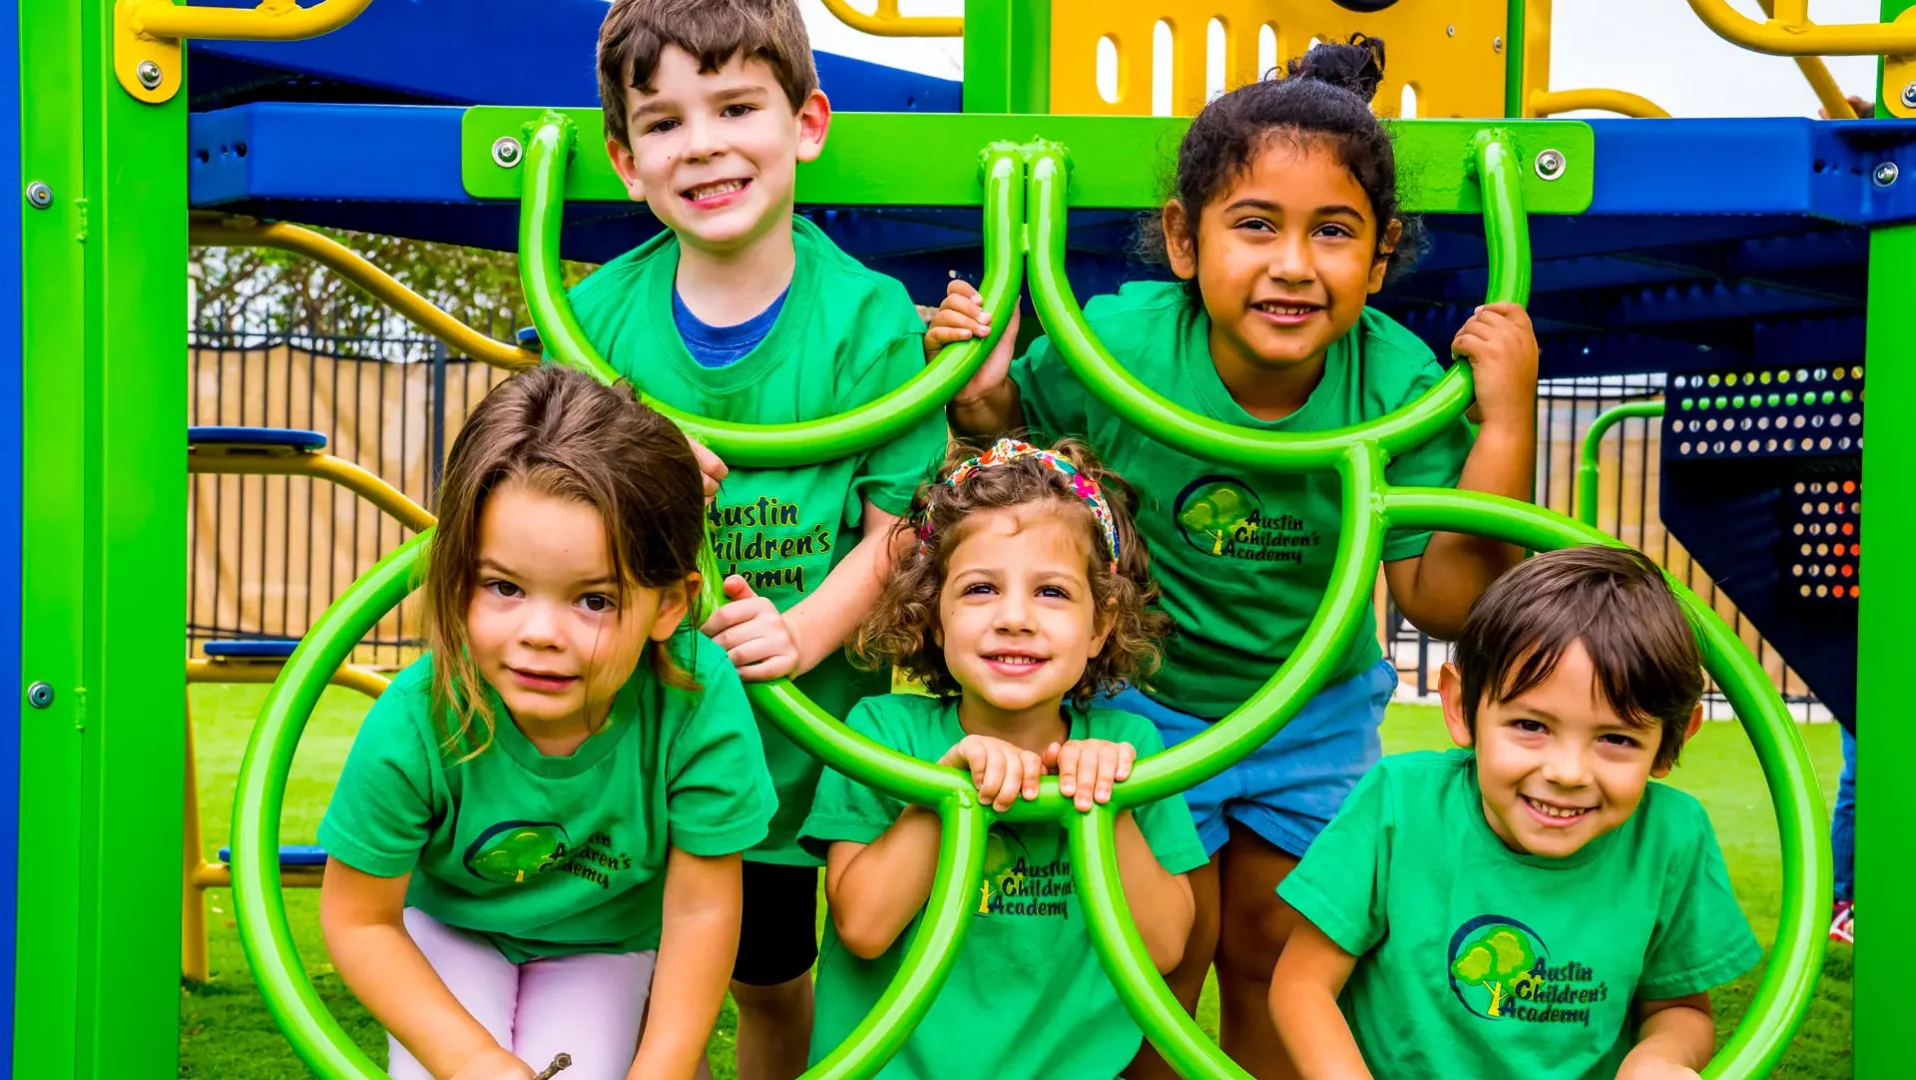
(104, 595)
(919, 159)
(1007, 56)
(1885, 820)
(1589, 470)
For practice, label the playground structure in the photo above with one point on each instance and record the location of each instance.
(100, 558)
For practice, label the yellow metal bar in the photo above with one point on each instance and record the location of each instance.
(272, 20)
(886, 22)
(1779, 38)
(1791, 14)
(1552, 102)
(245, 461)
(349, 264)
(1835, 103)
(233, 671)
(217, 876)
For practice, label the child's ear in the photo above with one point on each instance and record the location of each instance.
(1106, 620)
(627, 166)
(1450, 687)
(1380, 266)
(1177, 240)
(674, 602)
(814, 120)
(1689, 732)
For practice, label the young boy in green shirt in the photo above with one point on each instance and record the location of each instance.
(739, 311)
(1528, 905)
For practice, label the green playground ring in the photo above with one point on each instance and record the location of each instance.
(549, 149)
(1357, 454)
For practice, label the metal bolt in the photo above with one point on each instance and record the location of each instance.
(1450, 31)
(1909, 96)
(506, 152)
(1550, 164)
(1886, 174)
(1497, 44)
(150, 74)
(39, 695)
(39, 195)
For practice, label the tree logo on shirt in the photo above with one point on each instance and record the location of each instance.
(1501, 970)
(1222, 516)
(512, 851)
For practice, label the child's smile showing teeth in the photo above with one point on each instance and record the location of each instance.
(1556, 814)
(715, 193)
(1014, 664)
(1286, 312)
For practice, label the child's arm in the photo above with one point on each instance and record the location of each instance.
(1161, 902)
(764, 643)
(1436, 589)
(988, 405)
(874, 890)
(1311, 972)
(361, 918)
(1675, 1039)
(704, 899)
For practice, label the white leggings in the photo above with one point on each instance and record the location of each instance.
(588, 1005)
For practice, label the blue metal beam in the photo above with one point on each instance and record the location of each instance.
(485, 52)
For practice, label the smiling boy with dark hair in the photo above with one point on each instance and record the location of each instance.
(741, 311)
(1528, 904)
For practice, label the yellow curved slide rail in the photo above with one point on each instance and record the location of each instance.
(1789, 32)
(252, 461)
(349, 264)
(1621, 102)
(887, 22)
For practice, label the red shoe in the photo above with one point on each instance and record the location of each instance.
(1843, 925)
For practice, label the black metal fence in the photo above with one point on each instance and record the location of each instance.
(267, 554)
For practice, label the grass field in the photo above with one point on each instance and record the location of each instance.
(226, 1033)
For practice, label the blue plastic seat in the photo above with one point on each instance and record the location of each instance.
(257, 438)
(269, 649)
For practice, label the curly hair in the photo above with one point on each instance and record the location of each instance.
(902, 628)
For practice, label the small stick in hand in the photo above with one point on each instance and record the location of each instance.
(559, 1064)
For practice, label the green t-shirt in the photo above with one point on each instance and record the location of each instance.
(549, 856)
(845, 336)
(1027, 997)
(1476, 960)
(1243, 559)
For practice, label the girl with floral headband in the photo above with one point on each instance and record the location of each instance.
(1028, 596)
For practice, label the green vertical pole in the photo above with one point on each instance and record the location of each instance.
(1887, 817)
(1007, 56)
(1513, 59)
(104, 296)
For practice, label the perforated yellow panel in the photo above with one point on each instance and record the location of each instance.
(1450, 51)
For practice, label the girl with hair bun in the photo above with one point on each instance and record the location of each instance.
(1283, 222)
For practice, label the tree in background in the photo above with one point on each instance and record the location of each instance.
(266, 292)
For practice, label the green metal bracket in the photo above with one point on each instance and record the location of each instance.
(894, 159)
(1501, 178)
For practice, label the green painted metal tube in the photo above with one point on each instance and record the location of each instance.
(1360, 544)
(1114, 936)
(541, 212)
(260, 905)
(1588, 469)
(1796, 958)
(1506, 228)
(933, 951)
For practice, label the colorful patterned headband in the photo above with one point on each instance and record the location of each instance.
(1006, 451)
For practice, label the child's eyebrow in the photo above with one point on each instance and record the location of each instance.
(1269, 207)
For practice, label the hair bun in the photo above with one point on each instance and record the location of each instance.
(1357, 67)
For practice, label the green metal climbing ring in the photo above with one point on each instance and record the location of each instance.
(1371, 507)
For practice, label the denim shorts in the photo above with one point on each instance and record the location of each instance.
(1287, 790)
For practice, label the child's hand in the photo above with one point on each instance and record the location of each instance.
(753, 634)
(962, 317)
(711, 469)
(496, 1064)
(1001, 771)
(1502, 350)
(1088, 767)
